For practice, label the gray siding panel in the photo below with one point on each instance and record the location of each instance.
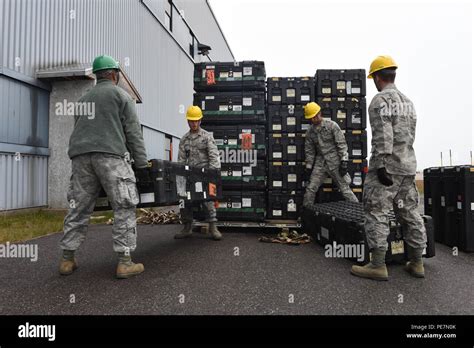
(200, 18)
(23, 113)
(175, 149)
(155, 143)
(43, 34)
(23, 183)
(48, 33)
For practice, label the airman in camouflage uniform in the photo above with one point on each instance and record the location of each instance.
(390, 182)
(326, 154)
(198, 148)
(101, 148)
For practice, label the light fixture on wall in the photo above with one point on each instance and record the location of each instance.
(203, 49)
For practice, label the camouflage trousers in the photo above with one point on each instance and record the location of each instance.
(318, 175)
(208, 207)
(403, 197)
(90, 172)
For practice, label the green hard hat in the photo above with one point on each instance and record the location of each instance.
(103, 63)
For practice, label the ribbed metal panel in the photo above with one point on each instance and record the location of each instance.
(23, 183)
(23, 113)
(155, 143)
(200, 18)
(175, 145)
(40, 34)
(45, 33)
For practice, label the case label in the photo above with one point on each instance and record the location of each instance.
(397, 247)
(147, 197)
(305, 97)
(291, 149)
(324, 232)
(291, 207)
(246, 202)
(349, 87)
(198, 186)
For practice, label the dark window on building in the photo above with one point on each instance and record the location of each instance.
(168, 148)
(192, 44)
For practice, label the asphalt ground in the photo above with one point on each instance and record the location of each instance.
(201, 276)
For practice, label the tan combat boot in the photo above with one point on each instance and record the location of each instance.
(186, 232)
(414, 266)
(126, 268)
(375, 269)
(215, 233)
(68, 262)
(66, 267)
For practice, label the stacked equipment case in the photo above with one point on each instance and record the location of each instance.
(232, 98)
(341, 95)
(170, 183)
(342, 223)
(449, 199)
(286, 125)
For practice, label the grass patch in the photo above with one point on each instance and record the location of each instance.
(17, 227)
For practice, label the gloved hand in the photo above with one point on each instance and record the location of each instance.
(142, 175)
(343, 168)
(384, 177)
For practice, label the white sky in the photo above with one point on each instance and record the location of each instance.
(431, 42)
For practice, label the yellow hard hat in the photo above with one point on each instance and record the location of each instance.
(311, 110)
(381, 62)
(194, 113)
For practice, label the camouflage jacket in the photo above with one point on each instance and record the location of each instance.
(199, 149)
(393, 121)
(325, 143)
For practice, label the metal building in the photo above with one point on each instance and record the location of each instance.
(46, 51)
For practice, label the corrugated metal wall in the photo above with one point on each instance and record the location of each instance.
(155, 143)
(175, 145)
(23, 126)
(46, 33)
(24, 113)
(23, 182)
(39, 34)
(200, 18)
